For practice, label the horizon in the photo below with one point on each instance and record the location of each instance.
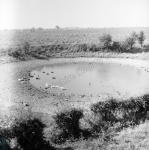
(47, 14)
(63, 28)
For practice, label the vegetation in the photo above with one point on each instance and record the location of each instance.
(67, 122)
(26, 47)
(131, 40)
(141, 38)
(131, 138)
(28, 135)
(125, 113)
(105, 44)
(116, 46)
(17, 54)
(57, 27)
(107, 118)
(106, 40)
(4, 145)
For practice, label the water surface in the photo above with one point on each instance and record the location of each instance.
(84, 79)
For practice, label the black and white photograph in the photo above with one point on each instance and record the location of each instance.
(74, 74)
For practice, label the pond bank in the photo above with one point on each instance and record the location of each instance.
(12, 92)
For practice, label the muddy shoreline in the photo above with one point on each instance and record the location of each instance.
(12, 92)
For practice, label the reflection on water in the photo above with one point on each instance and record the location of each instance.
(81, 80)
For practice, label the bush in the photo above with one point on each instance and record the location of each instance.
(32, 29)
(83, 47)
(106, 40)
(4, 138)
(94, 48)
(141, 38)
(127, 113)
(124, 46)
(17, 54)
(106, 110)
(26, 47)
(131, 40)
(116, 46)
(29, 135)
(68, 124)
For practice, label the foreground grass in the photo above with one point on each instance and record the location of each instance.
(111, 125)
(132, 138)
(108, 120)
(128, 139)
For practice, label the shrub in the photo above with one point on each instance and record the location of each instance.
(26, 47)
(17, 54)
(29, 135)
(124, 46)
(131, 40)
(32, 29)
(127, 113)
(106, 40)
(116, 46)
(141, 38)
(4, 138)
(83, 47)
(40, 29)
(106, 110)
(68, 124)
(57, 27)
(94, 48)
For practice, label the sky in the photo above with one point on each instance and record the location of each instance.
(19, 14)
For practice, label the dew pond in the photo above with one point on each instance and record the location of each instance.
(91, 80)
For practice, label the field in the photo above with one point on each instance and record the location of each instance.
(12, 39)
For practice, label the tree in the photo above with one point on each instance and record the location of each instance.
(57, 27)
(131, 40)
(116, 46)
(141, 38)
(40, 28)
(106, 40)
(26, 47)
(32, 29)
(29, 135)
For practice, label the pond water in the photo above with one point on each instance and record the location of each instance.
(89, 79)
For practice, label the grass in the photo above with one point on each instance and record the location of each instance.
(132, 138)
(45, 44)
(105, 124)
(106, 119)
(71, 51)
(48, 37)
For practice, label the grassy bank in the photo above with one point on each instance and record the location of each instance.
(46, 52)
(79, 129)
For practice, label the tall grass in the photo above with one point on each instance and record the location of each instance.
(106, 117)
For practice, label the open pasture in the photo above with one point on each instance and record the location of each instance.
(15, 38)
